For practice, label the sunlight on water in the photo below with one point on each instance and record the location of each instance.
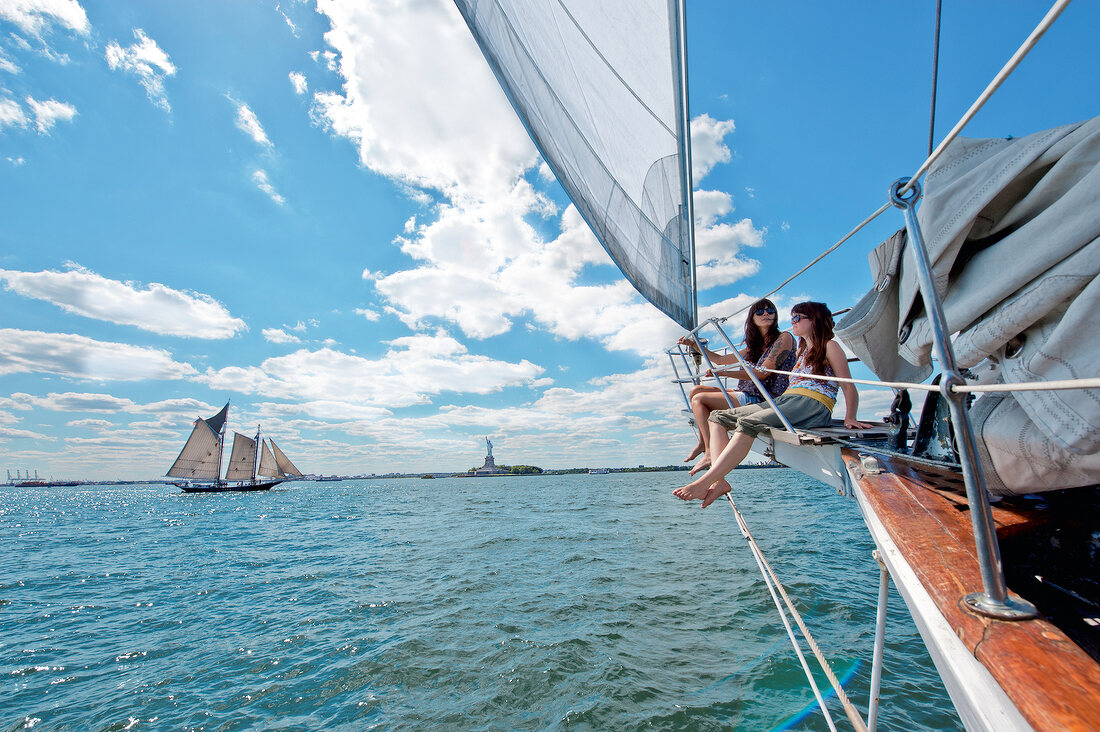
(587, 602)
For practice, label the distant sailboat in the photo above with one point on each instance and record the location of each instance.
(201, 458)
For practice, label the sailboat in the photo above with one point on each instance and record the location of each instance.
(602, 90)
(200, 460)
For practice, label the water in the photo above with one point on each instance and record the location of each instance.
(560, 602)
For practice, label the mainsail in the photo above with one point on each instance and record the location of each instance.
(201, 457)
(283, 462)
(242, 461)
(599, 86)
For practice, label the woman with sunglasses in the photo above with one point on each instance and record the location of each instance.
(765, 346)
(807, 403)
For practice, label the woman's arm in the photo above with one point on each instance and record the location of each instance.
(834, 354)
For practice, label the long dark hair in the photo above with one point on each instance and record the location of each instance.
(755, 343)
(821, 323)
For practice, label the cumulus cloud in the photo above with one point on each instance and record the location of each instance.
(36, 16)
(432, 115)
(75, 356)
(298, 81)
(707, 146)
(278, 335)
(371, 315)
(155, 307)
(259, 177)
(396, 379)
(145, 60)
(49, 112)
(249, 123)
(419, 102)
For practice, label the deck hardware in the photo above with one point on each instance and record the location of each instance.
(994, 601)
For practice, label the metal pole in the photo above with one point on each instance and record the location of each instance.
(880, 642)
(752, 376)
(713, 370)
(684, 129)
(994, 601)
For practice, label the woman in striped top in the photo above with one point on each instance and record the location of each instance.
(807, 403)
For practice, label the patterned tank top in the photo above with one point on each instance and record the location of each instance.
(826, 389)
(776, 384)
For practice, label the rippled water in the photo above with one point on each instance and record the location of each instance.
(574, 602)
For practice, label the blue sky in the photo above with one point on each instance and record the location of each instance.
(327, 213)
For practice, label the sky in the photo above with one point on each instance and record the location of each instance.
(327, 214)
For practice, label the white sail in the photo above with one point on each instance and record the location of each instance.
(268, 467)
(242, 461)
(283, 461)
(598, 86)
(200, 458)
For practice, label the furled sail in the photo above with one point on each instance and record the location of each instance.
(200, 458)
(268, 467)
(283, 461)
(1013, 232)
(242, 461)
(598, 86)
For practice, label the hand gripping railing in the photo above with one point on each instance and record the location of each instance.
(995, 600)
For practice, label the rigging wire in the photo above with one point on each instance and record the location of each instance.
(933, 155)
(772, 581)
(935, 76)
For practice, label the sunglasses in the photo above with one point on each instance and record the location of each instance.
(797, 317)
(768, 310)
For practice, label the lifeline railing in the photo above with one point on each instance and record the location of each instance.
(904, 193)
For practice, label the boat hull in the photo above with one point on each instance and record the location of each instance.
(224, 488)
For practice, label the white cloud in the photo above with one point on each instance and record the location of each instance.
(16, 161)
(36, 16)
(47, 113)
(11, 114)
(707, 148)
(277, 335)
(260, 179)
(419, 101)
(249, 123)
(75, 356)
(155, 307)
(396, 379)
(371, 315)
(145, 60)
(299, 82)
(423, 108)
(7, 64)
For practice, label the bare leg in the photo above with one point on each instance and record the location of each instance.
(728, 459)
(704, 400)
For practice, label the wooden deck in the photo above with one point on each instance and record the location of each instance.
(1053, 683)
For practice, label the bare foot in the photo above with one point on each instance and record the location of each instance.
(693, 491)
(701, 465)
(717, 489)
(696, 452)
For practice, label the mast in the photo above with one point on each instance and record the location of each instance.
(683, 125)
(221, 443)
(256, 455)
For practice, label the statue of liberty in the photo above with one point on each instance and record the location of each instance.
(489, 445)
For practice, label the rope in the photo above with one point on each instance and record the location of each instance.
(883, 209)
(1062, 385)
(999, 79)
(771, 580)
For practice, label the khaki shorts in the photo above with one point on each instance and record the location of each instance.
(802, 412)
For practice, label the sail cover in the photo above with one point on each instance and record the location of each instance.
(598, 86)
(283, 461)
(1012, 228)
(200, 458)
(268, 468)
(242, 461)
